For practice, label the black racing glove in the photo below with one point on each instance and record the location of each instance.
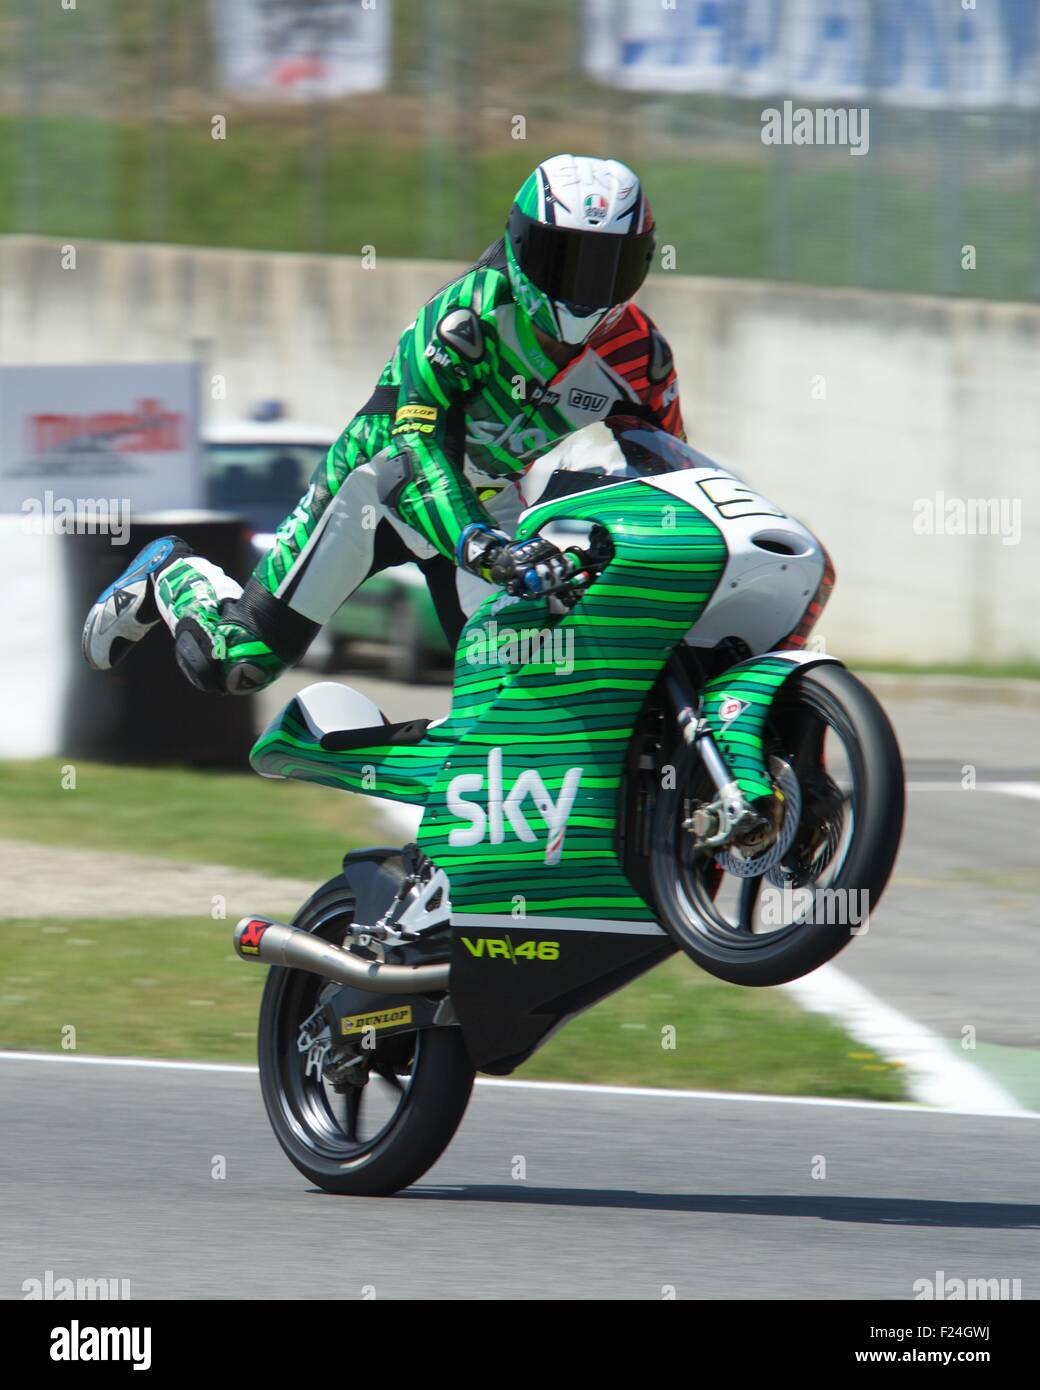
(536, 568)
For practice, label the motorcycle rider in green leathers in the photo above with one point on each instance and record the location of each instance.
(536, 340)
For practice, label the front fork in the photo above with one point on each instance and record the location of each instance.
(730, 815)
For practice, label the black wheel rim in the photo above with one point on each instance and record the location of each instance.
(723, 911)
(338, 1126)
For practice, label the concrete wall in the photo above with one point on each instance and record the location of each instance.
(846, 407)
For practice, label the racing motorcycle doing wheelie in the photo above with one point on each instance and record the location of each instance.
(657, 763)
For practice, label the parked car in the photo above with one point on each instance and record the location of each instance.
(259, 469)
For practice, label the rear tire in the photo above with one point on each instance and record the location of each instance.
(683, 887)
(429, 1111)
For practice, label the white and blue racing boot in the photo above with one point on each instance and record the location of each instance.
(126, 611)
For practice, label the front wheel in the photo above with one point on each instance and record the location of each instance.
(381, 1129)
(750, 927)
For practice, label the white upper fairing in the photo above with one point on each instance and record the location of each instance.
(774, 564)
(586, 194)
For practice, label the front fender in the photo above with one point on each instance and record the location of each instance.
(736, 705)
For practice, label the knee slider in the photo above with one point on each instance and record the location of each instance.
(193, 649)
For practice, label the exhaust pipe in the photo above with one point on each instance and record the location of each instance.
(258, 938)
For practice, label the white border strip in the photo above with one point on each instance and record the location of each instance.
(151, 1063)
(1027, 789)
(935, 1074)
(569, 1087)
(538, 922)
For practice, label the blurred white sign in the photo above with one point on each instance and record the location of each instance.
(905, 52)
(81, 435)
(302, 48)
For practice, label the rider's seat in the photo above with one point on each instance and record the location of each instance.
(342, 718)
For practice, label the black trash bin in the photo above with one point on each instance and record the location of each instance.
(144, 711)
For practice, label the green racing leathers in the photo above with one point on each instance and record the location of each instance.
(465, 405)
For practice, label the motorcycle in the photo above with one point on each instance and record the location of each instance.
(658, 762)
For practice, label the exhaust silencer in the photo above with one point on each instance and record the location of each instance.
(258, 938)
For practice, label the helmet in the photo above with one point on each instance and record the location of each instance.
(579, 241)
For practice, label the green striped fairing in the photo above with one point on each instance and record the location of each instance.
(549, 722)
(289, 749)
(740, 740)
(520, 723)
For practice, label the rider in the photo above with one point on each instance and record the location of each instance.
(536, 340)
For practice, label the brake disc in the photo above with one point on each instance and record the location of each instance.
(742, 865)
(805, 864)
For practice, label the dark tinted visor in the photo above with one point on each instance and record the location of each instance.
(585, 270)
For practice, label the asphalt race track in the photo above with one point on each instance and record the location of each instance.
(107, 1172)
(953, 944)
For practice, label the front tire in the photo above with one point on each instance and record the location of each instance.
(427, 1077)
(853, 832)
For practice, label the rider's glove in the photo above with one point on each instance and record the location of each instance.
(477, 547)
(535, 568)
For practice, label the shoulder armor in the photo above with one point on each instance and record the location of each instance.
(660, 357)
(462, 331)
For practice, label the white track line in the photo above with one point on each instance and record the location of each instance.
(936, 1076)
(1027, 789)
(151, 1063)
(571, 1087)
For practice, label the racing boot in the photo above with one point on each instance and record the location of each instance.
(126, 611)
(216, 627)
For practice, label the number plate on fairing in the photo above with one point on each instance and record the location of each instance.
(774, 564)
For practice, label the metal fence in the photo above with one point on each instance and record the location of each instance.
(107, 114)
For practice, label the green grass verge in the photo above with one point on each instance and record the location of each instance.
(293, 829)
(172, 987)
(267, 189)
(726, 1039)
(1008, 670)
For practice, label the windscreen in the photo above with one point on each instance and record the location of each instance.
(628, 448)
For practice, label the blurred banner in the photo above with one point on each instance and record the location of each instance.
(82, 435)
(908, 52)
(302, 48)
(107, 133)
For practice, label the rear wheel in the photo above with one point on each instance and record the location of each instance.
(381, 1129)
(753, 923)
